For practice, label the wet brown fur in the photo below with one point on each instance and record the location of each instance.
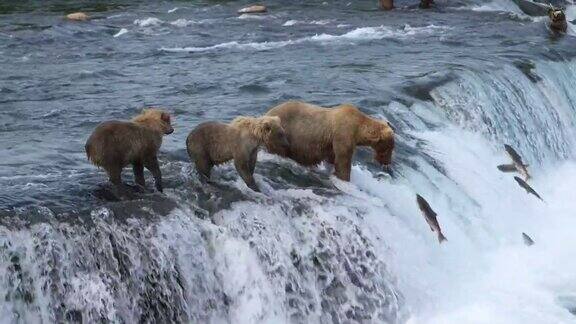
(557, 20)
(114, 145)
(214, 143)
(319, 134)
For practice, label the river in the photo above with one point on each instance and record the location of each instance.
(456, 82)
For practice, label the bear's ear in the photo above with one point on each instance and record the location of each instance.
(165, 117)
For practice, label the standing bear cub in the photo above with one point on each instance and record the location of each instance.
(214, 143)
(317, 134)
(114, 145)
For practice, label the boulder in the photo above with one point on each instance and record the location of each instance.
(77, 16)
(253, 9)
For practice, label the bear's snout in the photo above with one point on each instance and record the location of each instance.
(384, 159)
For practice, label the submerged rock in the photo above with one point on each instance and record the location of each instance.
(77, 16)
(253, 9)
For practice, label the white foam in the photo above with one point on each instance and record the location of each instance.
(498, 5)
(116, 16)
(247, 16)
(173, 10)
(229, 45)
(245, 282)
(148, 22)
(89, 292)
(359, 34)
(320, 22)
(183, 22)
(313, 22)
(121, 32)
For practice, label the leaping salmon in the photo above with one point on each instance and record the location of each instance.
(527, 187)
(430, 217)
(517, 164)
(527, 239)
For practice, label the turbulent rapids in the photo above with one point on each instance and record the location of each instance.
(309, 248)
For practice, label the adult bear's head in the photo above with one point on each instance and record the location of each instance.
(380, 136)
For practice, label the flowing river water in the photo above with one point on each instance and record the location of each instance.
(457, 82)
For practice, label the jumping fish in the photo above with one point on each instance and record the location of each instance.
(507, 168)
(528, 189)
(527, 239)
(430, 217)
(517, 164)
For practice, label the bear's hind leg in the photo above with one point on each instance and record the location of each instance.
(115, 176)
(203, 167)
(138, 169)
(153, 166)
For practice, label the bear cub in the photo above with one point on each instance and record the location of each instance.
(213, 143)
(114, 145)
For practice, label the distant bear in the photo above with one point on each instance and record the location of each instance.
(317, 134)
(213, 143)
(557, 20)
(115, 144)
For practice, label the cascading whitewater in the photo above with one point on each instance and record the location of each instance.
(320, 254)
(529, 109)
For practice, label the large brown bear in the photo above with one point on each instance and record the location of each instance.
(116, 144)
(214, 143)
(319, 134)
